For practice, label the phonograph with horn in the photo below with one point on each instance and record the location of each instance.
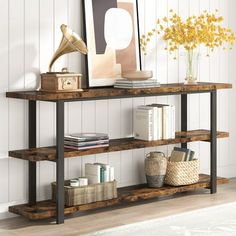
(64, 81)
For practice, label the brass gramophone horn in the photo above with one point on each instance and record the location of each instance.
(71, 42)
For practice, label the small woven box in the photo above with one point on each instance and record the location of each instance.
(91, 193)
(182, 173)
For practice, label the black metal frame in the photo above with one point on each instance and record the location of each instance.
(60, 162)
(60, 157)
(213, 142)
(60, 147)
(32, 129)
(184, 116)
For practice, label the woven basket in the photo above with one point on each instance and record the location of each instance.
(182, 173)
(91, 193)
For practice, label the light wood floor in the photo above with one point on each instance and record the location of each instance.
(116, 216)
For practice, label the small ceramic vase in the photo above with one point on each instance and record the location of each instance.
(155, 169)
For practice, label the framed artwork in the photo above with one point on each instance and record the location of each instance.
(112, 38)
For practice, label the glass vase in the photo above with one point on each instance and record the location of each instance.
(192, 64)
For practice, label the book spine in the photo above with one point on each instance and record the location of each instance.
(160, 124)
(143, 124)
(192, 153)
(107, 173)
(155, 123)
(151, 124)
(112, 174)
(102, 175)
(170, 122)
(173, 122)
(187, 155)
(164, 122)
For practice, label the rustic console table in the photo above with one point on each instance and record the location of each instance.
(48, 209)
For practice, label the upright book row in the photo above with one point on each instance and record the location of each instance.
(99, 173)
(154, 122)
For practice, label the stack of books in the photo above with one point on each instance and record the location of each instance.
(84, 141)
(129, 84)
(99, 173)
(181, 154)
(154, 122)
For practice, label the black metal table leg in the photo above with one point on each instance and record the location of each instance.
(184, 116)
(32, 144)
(213, 142)
(60, 161)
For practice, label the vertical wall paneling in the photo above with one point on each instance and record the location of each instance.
(184, 13)
(172, 76)
(193, 100)
(47, 109)
(232, 94)
(204, 104)
(4, 118)
(114, 128)
(162, 59)
(32, 59)
(150, 13)
(17, 169)
(223, 98)
(74, 116)
(138, 154)
(74, 126)
(150, 23)
(61, 17)
(101, 125)
(126, 116)
(88, 125)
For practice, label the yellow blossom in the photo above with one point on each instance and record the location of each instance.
(205, 29)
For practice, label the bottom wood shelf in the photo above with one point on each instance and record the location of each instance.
(47, 209)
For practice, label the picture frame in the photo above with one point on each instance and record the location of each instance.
(111, 29)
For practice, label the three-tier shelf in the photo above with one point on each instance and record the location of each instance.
(47, 209)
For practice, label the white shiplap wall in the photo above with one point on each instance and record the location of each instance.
(29, 36)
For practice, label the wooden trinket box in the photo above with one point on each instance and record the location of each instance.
(86, 194)
(61, 82)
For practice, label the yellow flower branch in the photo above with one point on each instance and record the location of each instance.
(206, 29)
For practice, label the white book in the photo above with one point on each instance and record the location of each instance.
(160, 123)
(165, 122)
(143, 124)
(169, 121)
(154, 120)
(92, 173)
(173, 122)
(112, 174)
(106, 171)
(126, 81)
(159, 120)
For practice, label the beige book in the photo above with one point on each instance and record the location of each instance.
(177, 156)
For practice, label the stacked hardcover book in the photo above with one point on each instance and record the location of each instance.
(154, 122)
(84, 141)
(129, 84)
(99, 173)
(182, 154)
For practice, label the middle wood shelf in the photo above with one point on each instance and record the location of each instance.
(49, 153)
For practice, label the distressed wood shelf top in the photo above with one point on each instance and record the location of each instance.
(47, 209)
(104, 93)
(49, 153)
